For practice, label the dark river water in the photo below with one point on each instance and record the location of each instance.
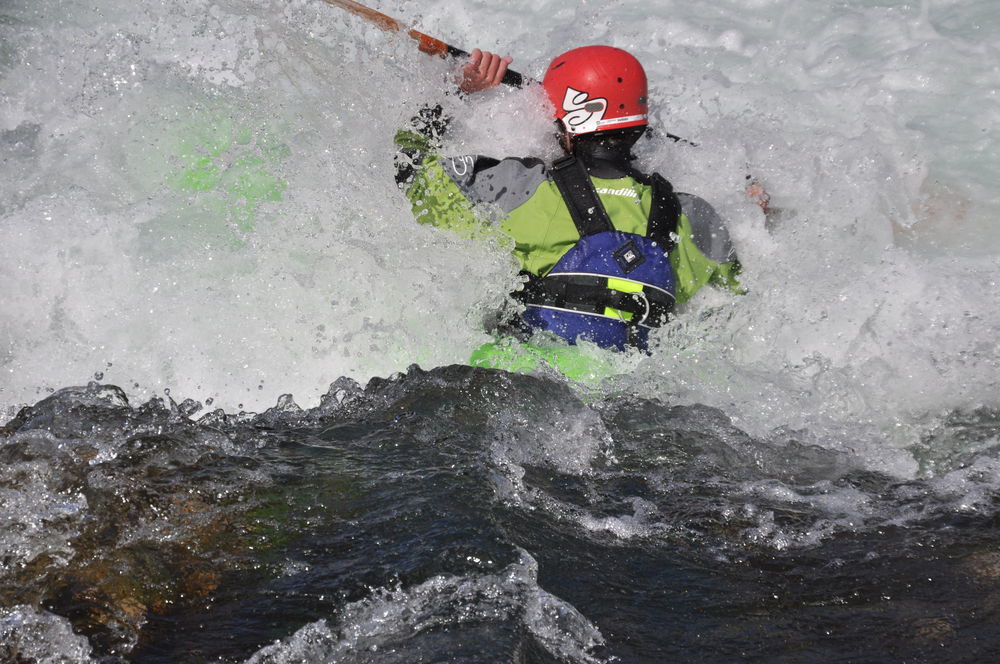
(469, 515)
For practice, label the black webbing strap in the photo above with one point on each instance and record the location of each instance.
(581, 198)
(585, 208)
(591, 294)
(665, 211)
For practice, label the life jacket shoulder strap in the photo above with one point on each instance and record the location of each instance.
(588, 213)
(665, 212)
(585, 207)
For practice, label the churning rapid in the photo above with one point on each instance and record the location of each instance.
(238, 422)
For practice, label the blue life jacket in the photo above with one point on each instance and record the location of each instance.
(612, 287)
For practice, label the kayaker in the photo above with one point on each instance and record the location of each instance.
(606, 250)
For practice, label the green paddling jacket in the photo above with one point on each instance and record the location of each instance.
(460, 193)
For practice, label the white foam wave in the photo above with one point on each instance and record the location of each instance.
(394, 621)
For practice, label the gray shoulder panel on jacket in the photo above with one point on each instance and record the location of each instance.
(507, 183)
(708, 231)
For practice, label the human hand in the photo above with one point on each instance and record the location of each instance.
(484, 70)
(757, 193)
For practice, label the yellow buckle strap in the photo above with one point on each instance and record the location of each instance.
(624, 286)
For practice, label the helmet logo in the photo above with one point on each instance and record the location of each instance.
(582, 114)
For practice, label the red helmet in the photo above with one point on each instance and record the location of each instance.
(596, 88)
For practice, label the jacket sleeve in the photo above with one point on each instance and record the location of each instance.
(435, 197)
(458, 193)
(704, 252)
(419, 140)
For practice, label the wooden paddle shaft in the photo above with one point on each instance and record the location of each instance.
(425, 43)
